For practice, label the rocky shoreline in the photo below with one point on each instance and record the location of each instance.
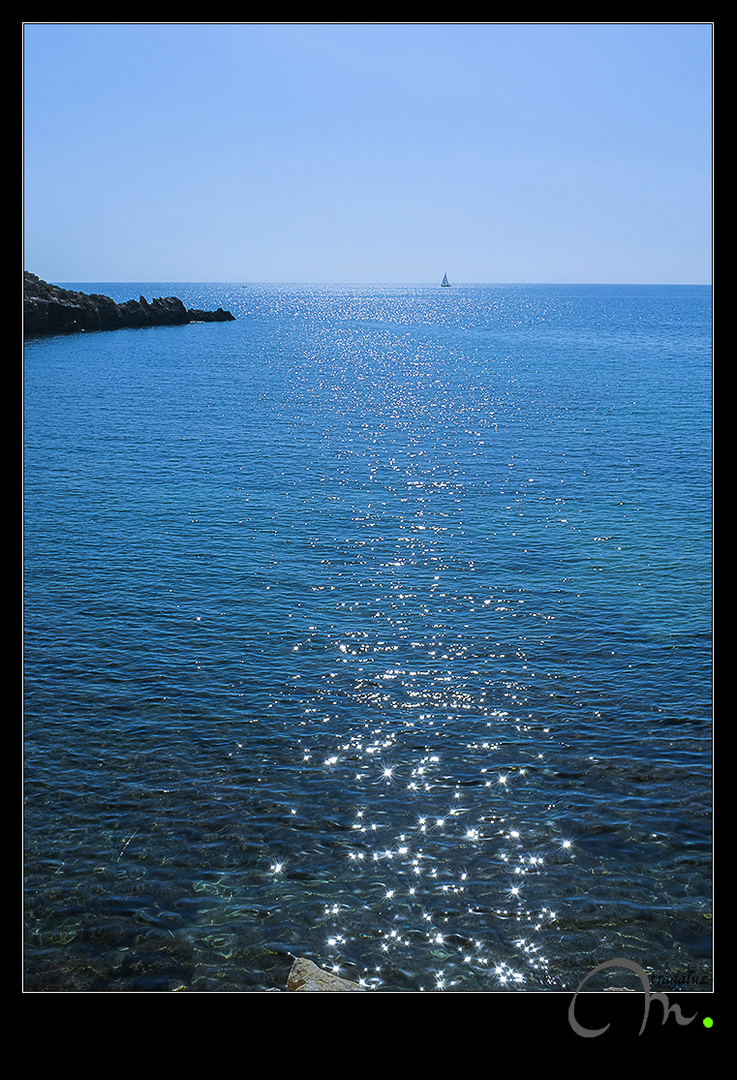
(49, 309)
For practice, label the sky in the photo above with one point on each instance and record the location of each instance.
(368, 152)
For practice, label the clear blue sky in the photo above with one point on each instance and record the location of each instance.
(359, 152)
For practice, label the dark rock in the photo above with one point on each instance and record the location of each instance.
(195, 315)
(49, 309)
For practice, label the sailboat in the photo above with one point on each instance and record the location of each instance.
(445, 283)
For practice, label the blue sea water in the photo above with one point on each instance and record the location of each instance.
(373, 627)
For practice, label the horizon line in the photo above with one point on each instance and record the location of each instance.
(296, 281)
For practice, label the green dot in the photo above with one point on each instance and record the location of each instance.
(708, 1022)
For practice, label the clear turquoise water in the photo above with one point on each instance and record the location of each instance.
(372, 627)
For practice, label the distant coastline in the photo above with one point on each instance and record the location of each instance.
(49, 309)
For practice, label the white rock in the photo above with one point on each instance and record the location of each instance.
(307, 978)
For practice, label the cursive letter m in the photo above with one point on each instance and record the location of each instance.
(632, 966)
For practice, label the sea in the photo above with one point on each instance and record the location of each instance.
(374, 628)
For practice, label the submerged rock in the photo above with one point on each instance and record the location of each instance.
(49, 309)
(307, 978)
